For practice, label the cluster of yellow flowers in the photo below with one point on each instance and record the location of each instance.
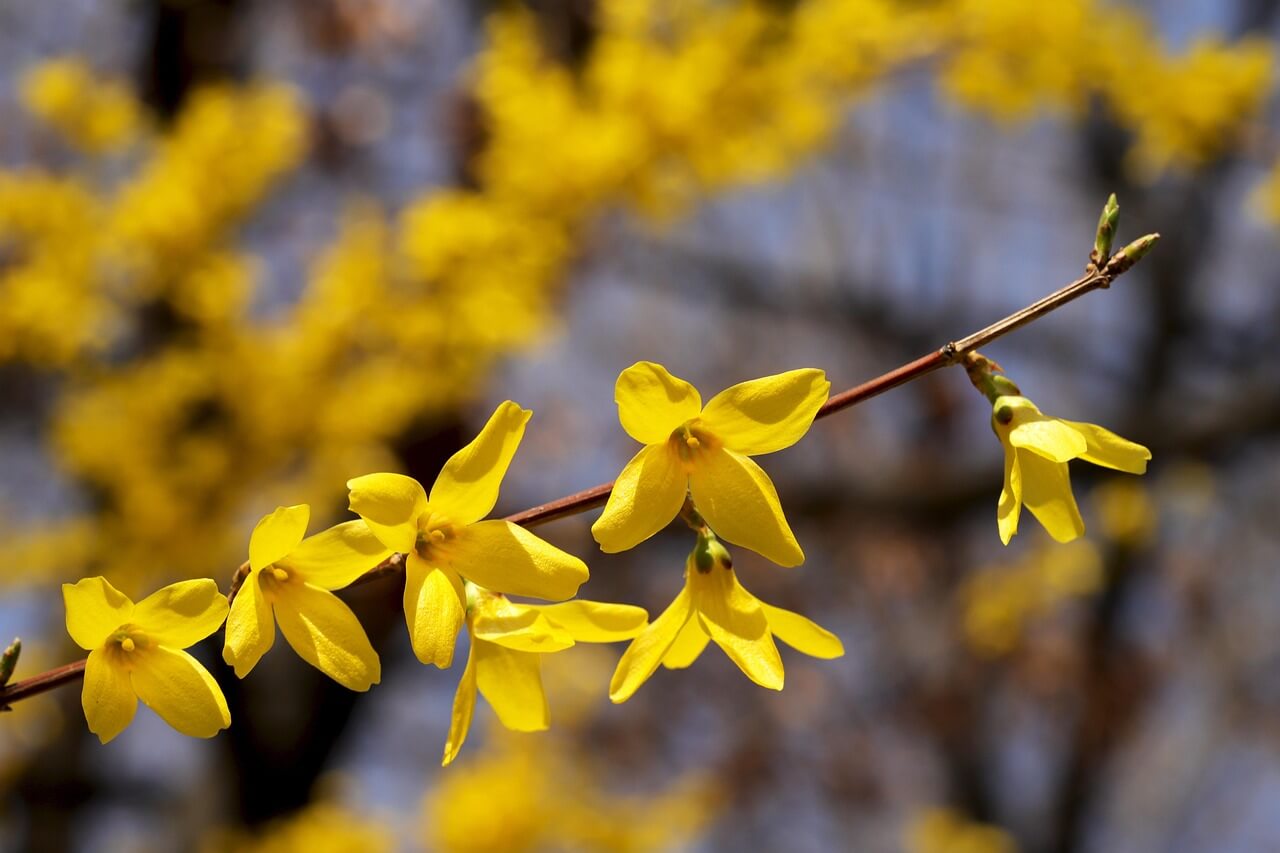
(1010, 59)
(943, 830)
(460, 569)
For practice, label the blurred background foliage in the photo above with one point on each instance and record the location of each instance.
(251, 248)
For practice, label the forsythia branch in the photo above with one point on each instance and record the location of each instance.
(1095, 278)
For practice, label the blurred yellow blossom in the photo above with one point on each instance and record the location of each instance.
(997, 603)
(943, 830)
(320, 827)
(94, 114)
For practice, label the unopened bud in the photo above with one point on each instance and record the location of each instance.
(9, 660)
(1131, 254)
(1107, 224)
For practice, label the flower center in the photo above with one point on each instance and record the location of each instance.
(124, 642)
(435, 533)
(273, 578)
(690, 440)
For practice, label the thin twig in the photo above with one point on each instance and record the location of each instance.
(596, 496)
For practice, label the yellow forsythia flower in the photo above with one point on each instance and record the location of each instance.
(446, 541)
(136, 652)
(507, 643)
(293, 576)
(940, 830)
(705, 450)
(714, 606)
(1036, 451)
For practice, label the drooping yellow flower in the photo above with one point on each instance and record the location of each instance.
(136, 652)
(507, 643)
(704, 451)
(446, 541)
(714, 606)
(293, 577)
(1036, 451)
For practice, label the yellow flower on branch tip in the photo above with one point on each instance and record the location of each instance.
(714, 606)
(508, 640)
(704, 451)
(1036, 451)
(136, 652)
(293, 577)
(446, 541)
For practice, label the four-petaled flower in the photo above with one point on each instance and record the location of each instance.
(508, 640)
(704, 451)
(136, 652)
(446, 541)
(294, 577)
(714, 606)
(1036, 451)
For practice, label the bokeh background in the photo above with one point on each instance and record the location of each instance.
(251, 248)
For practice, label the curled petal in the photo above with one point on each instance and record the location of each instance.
(738, 500)
(107, 696)
(95, 609)
(251, 630)
(507, 558)
(335, 557)
(464, 707)
(1046, 490)
(652, 403)
(467, 487)
(521, 627)
(647, 650)
(182, 614)
(275, 535)
(174, 685)
(688, 646)
(646, 496)
(734, 619)
(597, 621)
(511, 681)
(1010, 506)
(802, 634)
(767, 414)
(433, 610)
(391, 505)
(325, 633)
(1031, 430)
(1109, 450)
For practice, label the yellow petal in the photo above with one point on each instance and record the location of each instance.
(1031, 430)
(1109, 450)
(646, 496)
(174, 685)
(1010, 506)
(182, 614)
(251, 630)
(390, 504)
(521, 627)
(276, 534)
(652, 403)
(95, 609)
(335, 557)
(505, 557)
(802, 634)
(688, 646)
(736, 622)
(769, 413)
(107, 696)
(512, 683)
(464, 706)
(326, 634)
(433, 610)
(467, 487)
(1046, 490)
(738, 500)
(647, 650)
(597, 621)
